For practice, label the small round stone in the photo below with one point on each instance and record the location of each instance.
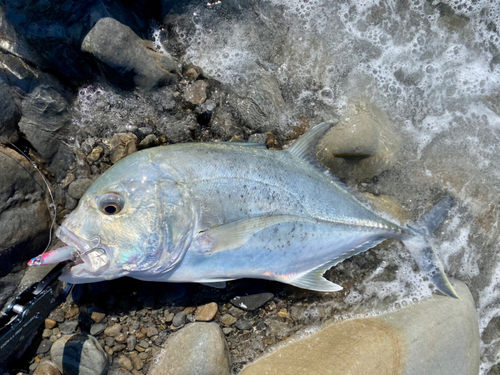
(206, 312)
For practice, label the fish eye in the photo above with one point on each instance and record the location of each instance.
(111, 203)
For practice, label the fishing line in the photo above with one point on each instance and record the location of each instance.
(52, 206)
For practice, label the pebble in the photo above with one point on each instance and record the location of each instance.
(121, 145)
(179, 319)
(49, 323)
(168, 317)
(143, 344)
(79, 354)
(46, 368)
(78, 187)
(151, 331)
(114, 330)
(95, 154)
(131, 343)
(46, 333)
(149, 141)
(68, 327)
(252, 302)
(136, 361)
(283, 313)
(235, 311)
(44, 346)
(97, 329)
(97, 317)
(196, 93)
(228, 320)
(206, 312)
(227, 330)
(199, 348)
(243, 324)
(121, 338)
(57, 315)
(109, 341)
(125, 362)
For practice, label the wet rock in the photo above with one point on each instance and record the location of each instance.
(402, 342)
(46, 124)
(131, 343)
(79, 354)
(243, 324)
(252, 302)
(179, 319)
(24, 216)
(149, 141)
(224, 124)
(9, 115)
(206, 312)
(95, 154)
(362, 145)
(119, 47)
(114, 330)
(78, 187)
(196, 93)
(47, 368)
(199, 348)
(121, 145)
(178, 131)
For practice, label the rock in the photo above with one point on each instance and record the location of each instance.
(243, 324)
(131, 343)
(24, 216)
(149, 141)
(121, 145)
(119, 47)
(44, 347)
(121, 338)
(196, 93)
(224, 124)
(97, 329)
(68, 327)
(136, 361)
(228, 319)
(97, 317)
(179, 319)
(47, 368)
(114, 330)
(362, 145)
(57, 315)
(49, 323)
(125, 363)
(424, 338)
(95, 154)
(199, 348)
(258, 138)
(9, 115)
(178, 131)
(46, 124)
(79, 354)
(252, 302)
(78, 187)
(206, 312)
(168, 317)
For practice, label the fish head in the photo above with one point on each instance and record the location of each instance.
(133, 221)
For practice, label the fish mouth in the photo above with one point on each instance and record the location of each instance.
(90, 256)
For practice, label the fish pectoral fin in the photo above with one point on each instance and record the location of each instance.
(314, 280)
(235, 234)
(216, 284)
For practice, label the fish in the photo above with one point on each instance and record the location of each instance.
(214, 212)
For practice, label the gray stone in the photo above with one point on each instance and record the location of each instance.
(434, 337)
(196, 93)
(258, 138)
(179, 319)
(44, 347)
(252, 302)
(46, 124)
(243, 324)
(97, 329)
(79, 354)
(78, 187)
(199, 348)
(131, 342)
(224, 124)
(119, 47)
(178, 131)
(68, 327)
(24, 216)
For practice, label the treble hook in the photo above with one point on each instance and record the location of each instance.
(97, 246)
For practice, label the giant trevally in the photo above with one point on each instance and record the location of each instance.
(213, 212)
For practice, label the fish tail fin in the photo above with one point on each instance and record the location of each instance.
(421, 249)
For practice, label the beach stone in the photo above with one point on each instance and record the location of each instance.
(95, 154)
(206, 312)
(439, 336)
(68, 327)
(46, 368)
(179, 319)
(228, 319)
(116, 45)
(168, 317)
(136, 361)
(121, 145)
(114, 330)
(252, 302)
(97, 329)
(199, 348)
(131, 343)
(362, 145)
(49, 323)
(78, 187)
(97, 317)
(44, 346)
(125, 362)
(79, 354)
(243, 324)
(196, 93)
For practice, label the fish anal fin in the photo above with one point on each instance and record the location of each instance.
(314, 280)
(235, 234)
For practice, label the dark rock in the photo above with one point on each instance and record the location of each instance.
(224, 124)
(179, 319)
(68, 327)
(178, 131)
(149, 141)
(196, 93)
(24, 216)
(120, 48)
(79, 354)
(97, 329)
(200, 348)
(9, 115)
(243, 324)
(44, 347)
(46, 124)
(131, 342)
(252, 302)
(78, 187)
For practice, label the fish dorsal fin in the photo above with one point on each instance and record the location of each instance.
(304, 147)
(314, 280)
(235, 234)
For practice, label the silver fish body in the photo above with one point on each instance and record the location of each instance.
(209, 212)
